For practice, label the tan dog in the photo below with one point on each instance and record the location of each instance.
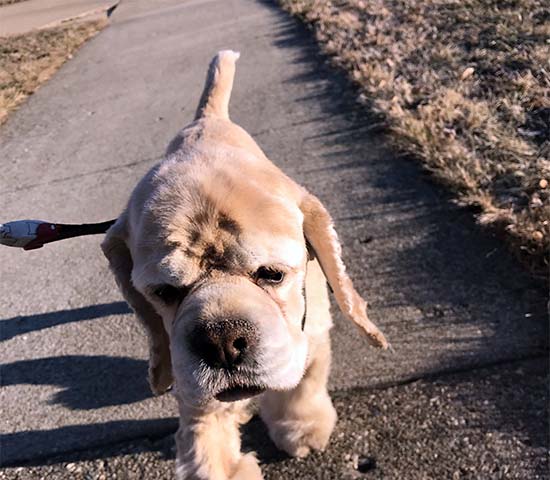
(221, 255)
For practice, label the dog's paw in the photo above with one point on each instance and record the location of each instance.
(247, 469)
(299, 436)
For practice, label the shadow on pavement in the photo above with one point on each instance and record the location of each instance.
(437, 426)
(11, 327)
(255, 438)
(150, 435)
(13, 443)
(448, 294)
(87, 382)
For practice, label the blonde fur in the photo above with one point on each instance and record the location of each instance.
(202, 222)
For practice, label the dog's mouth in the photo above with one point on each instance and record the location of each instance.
(239, 393)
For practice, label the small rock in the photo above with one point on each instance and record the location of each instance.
(366, 464)
(543, 183)
(537, 236)
(536, 201)
(467, 73)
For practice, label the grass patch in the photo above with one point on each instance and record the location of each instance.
(28, 60)
(465, 86)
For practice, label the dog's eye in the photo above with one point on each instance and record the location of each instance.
(269, 275)
(169, 294)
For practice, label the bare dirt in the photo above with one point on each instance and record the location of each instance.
(28, 60)
(9, 2)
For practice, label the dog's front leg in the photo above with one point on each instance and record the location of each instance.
(303, 418)
(209, 445)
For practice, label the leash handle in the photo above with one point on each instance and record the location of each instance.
(32, 234)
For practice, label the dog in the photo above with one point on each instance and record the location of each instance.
(225, 261)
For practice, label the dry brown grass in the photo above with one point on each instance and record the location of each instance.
(9, 2)
(465, 86)
(28, 60)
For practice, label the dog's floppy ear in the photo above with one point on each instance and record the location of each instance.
(320, 234)
(120, 259)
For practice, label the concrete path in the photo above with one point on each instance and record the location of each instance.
(31, 14)
(448, 296)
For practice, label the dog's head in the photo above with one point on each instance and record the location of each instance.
(212, 253)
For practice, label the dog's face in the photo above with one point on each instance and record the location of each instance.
(211, 255)
(223, 262)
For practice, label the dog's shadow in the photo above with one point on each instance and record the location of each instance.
(255, 438)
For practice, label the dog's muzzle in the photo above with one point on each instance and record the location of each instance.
(225, 344)
(229, 347)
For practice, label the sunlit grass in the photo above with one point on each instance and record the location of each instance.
(465, 86)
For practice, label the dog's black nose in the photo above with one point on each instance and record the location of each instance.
(224, 344)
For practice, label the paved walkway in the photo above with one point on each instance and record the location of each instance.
(31, 14)
(448, 296)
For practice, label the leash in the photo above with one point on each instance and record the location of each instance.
(32, 234)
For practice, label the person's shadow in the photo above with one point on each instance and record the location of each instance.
(14, 326)
(87, 382)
